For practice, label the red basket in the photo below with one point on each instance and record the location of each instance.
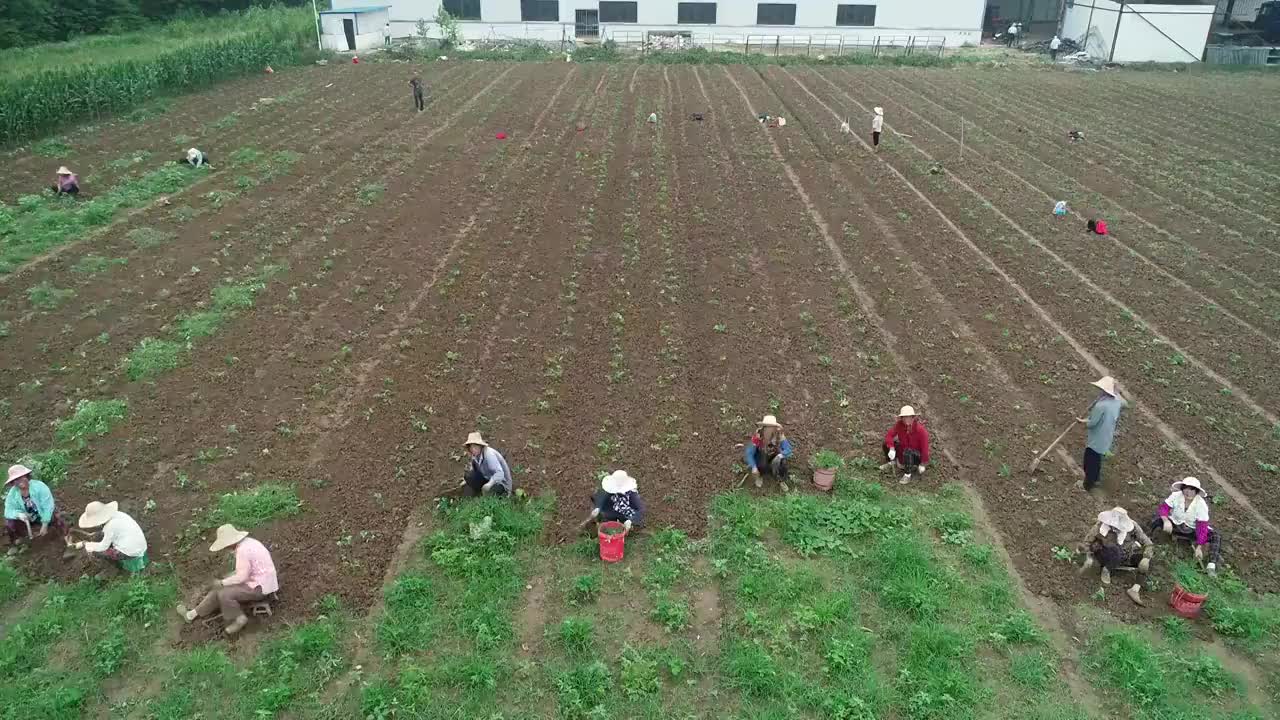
(1186, 604)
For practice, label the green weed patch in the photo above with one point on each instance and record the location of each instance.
(255, 507)
(92, 418)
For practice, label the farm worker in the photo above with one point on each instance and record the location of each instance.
(1060, 207)
(1098, 226)
(488, 473)
(1101, 429)
(1054, 44)
(1185, 514)
(877, 126)
(196, 158)
(906, 445)
(254, 580)
(1115, 542)
(419, 94)
(28, 503)
(122, 540)
(617, 500)
(1013, 34)
(66, 182)
(386, 34)
(768, 450)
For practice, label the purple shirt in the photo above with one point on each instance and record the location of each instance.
(66, 182)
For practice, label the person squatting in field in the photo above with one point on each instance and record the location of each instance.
(123, 544)
(66, 182)
(197, 158)
(253, 580)
(877, 126)
(617, 500)
(1104, 414)
(1185, 514)
(488, 472)
(29, 510)
(906, 445)
(767, 452)
(419, 94)
(1116, 542)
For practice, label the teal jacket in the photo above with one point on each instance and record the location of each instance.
(14, 506)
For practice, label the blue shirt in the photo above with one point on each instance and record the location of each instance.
(1103, 417)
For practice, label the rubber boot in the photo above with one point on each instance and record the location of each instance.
(1106, 576)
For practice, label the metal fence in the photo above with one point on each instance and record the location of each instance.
(1239, 55)
(776, 45)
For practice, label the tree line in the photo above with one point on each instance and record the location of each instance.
(32, 22)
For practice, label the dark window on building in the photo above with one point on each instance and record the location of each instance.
(857, 15)
(617, 12)
(775, 14)
(696, 13)
(463, 9)
(540, 10)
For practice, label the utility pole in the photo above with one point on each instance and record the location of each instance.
(316, 12)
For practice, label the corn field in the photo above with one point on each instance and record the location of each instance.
(41, 102)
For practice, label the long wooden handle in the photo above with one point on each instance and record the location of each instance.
(1054, 444)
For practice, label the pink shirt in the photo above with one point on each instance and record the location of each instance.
(254, 567)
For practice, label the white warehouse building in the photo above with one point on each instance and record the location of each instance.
(949, 22)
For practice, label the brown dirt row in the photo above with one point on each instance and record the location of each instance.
(1077, 161)
(1138, 292)
(174, 295)
(1172, 393)
(966, 394)
(1139, 165)
(1234, 290)
(1210, 97)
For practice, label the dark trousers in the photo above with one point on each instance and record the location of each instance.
(73, 190)
(419, 100)
(475, 481)
(875, 139)
(1189, 533)
(772, 464)
(1092, 469)
(907, 461)
(185, 160)
(607, 514)
(229, 600)
(1113, 557)
(17, 530)
(1053, 55)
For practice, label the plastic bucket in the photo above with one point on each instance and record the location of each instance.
(824, 479)
(613, 538)
(1186, 604)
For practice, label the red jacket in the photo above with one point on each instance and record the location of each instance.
(916, 439)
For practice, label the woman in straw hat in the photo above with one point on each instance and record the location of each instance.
(767, 452)
(28, 503)
(1185, 514)
(1101, 425)
(122, 544)
(877, 126)
(254, 580)
(197, 158)
(488, 472)
(906, 445)
(617, 500)
(65, 182)
(1116, 542)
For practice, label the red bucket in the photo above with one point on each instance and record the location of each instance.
(613, 537)
(1186, 604)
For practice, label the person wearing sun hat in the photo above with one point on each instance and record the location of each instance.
(618, 499)
(1104, 414)
(767, 452)
(1185, 514)
(65, 182)
(196, 158)
(877, 126)
(29, 503)
(906, 445)
(1115, 541)
(254, 580)
(488, 472)
(123, 542)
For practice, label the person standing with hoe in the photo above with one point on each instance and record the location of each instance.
(877, 126)
(1101, 429)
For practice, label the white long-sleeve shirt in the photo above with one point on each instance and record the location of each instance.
(122, 533)
(877, 123)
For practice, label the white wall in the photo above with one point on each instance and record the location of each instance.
(959, 21)
(1143, 30)
(368, 28)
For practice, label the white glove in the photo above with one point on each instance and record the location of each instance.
(595, 512)
(627, 525)
(486, 487)
(921, 469)
(893, 453)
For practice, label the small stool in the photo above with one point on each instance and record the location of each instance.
(262, 608)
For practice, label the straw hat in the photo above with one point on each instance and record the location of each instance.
(769, 421)
(1116, 518)
(192, 153)
(907, 411)
(227, 536)
(1107, 385)
(879, 110)
(1187, 482)
(96, 513)
(16, 473)
(618, 482)
(64, 171)
(475, 439)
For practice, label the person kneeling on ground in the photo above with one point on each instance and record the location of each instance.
(617, 500)
(767, 452)
(28, 503)
(1185, 514)
(489, 473)
(906, 445)
(123, 543)
(1116, 542)
(195, 158)
(66, 182)
(254, 580)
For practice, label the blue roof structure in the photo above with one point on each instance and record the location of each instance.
(355, 10)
